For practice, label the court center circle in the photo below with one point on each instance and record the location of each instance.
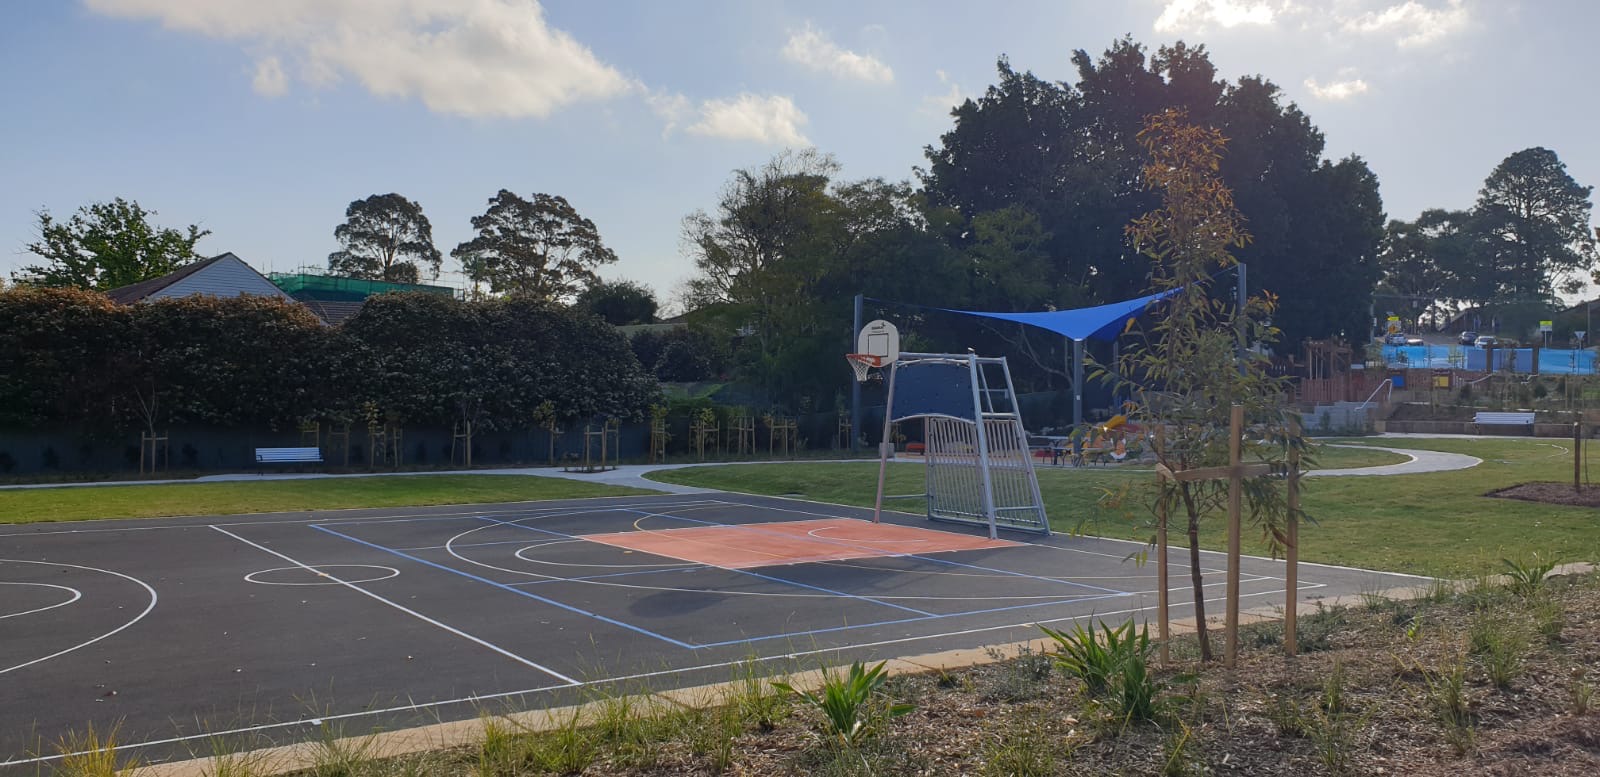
(320, 575)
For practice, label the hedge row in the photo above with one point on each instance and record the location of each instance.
(74, 359)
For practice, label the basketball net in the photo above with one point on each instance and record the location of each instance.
(863, 364)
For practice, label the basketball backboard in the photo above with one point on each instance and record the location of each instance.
(879, 338)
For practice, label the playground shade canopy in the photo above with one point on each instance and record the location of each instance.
(1102, 322)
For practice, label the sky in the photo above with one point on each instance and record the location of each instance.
(262, 121)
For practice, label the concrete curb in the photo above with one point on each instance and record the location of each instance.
(466, 733)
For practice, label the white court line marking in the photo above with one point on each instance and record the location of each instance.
(327, 578)
(821, 535)
(408, 611)
(76, 595)
(136, 618)
(620, 679)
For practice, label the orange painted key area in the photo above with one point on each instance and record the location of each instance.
(792, 542)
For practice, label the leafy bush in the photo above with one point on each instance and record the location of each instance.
(846, 702)
(1112, 663)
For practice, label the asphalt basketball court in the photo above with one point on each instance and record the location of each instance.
(269, 627)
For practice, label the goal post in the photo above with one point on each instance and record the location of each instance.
(977, 465)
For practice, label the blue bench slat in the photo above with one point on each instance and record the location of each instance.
(1504, 419)
(288, 455)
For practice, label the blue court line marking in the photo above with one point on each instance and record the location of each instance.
(504, 587)
(941, 616)
(795, 583)
(753, 527)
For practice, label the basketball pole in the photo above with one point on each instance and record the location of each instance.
(883, 453)
(855, 387)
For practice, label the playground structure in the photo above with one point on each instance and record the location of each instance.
(978, 468)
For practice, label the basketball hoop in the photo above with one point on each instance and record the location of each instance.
(863, 364)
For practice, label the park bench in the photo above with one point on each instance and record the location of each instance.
(289, 455)
(1487, 418)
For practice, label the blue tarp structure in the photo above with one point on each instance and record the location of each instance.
(1103, 322)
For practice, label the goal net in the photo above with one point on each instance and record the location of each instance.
(977, 464)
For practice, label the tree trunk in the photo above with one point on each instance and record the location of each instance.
(1195, 577)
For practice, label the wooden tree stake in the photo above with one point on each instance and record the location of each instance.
(1161, 561)
(1235, 494)
(1291, 576)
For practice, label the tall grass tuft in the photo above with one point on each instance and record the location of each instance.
(1525, 577)
(90, 754)
(334, 755)
(1447, 700)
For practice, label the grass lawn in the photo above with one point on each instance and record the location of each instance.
(1438, 523)
(87, 503)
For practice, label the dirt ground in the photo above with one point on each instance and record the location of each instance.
(1551, 493)
(1492, 680)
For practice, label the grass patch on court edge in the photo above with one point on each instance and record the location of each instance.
(232, 498)
(1436, 523)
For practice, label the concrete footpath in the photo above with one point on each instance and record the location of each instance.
(634, 475)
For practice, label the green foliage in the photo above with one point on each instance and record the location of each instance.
(1525, 577)
(1191, 365)
(846, 701)
(385, 237)
(619, 302)
(1445, 691)
(1067, 152)
(59, 354)
(1332, 726)
(1027, 676)
(240, 361)
(1113, 664)
(538, 248)
(107, 245)
(90, 754)
(1499, 643)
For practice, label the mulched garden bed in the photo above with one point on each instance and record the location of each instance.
(1372, 694)
(1551, 493)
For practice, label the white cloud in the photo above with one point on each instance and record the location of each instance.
(466, 57)
(814, 50)
(673, 109)
(1411, 23)
(941, 104)
(269, 80)
(774, 120)
(1181, 16)
(1336, 90)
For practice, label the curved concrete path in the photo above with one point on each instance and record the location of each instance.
(634, 475)
(1420, 462)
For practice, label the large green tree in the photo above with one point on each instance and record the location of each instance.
(620, 302)
(1535, 219)
(537, 247)
(106, 245)
(385, 237)
(1069, 154)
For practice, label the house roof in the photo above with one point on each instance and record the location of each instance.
(332, 312)
(127, 295)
